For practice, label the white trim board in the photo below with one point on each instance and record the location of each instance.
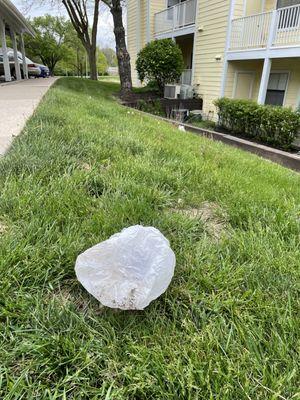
(187, 30)
(258, 54)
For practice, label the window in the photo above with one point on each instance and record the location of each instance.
(287, 3)
(289, 17)
(277, 88)
(171, 3)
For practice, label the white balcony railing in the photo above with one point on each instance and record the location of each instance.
(176, 17)
(186, 77)
(271, 29)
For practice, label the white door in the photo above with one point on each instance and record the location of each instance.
(243, 85)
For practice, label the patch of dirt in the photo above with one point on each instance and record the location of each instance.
(85, 166)
(62, 296)
(3, 228)
(82, 301)
(211, 214)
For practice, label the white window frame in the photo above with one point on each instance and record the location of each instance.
(280, 71)
(236, 74)
(277, 1)
(287, 28)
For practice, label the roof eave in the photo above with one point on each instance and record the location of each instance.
(18, 20)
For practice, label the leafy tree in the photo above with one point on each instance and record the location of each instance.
(160, 61)
(79, 11)
(77, 58)
(79, 15)
(50, 42)
(102, 64)
(111, 57)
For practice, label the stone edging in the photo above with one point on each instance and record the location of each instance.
(281, 157)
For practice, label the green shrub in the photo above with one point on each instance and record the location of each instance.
(152, 86)
(160, 61)
(151, 106)
(276, 126)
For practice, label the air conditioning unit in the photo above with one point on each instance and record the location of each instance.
(172, 91)
(186, 92)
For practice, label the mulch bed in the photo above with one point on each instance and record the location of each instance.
(133, 97)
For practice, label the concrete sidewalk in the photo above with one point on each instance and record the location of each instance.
(18, 100)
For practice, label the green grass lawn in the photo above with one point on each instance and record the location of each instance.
(228, 326)
(109, 78)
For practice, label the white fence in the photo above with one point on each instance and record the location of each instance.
(280, 28)
(176, 17)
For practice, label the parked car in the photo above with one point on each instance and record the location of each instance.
(45, 72)
(33, 69)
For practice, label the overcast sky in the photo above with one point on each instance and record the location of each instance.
(105, 28)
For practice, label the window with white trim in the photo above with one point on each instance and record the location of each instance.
(290, 17)
(171, 3)
(276, 88)
(287, 3)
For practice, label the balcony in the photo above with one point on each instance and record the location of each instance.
(270, 30)
(175, 18)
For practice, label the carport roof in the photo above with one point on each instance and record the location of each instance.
(14, 18)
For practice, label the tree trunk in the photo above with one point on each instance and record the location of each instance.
(121, 49)
(93, 63)
(93, 48)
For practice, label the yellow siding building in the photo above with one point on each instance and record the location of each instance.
(246, 49)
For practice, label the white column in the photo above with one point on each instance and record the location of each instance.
(175, 16)
(264, 81)
(16, 60)
(25, 69)
(227, 46)
(4, 50)
(148, 30)
(244, 8)
(138, 26)
(273, 29)
(267, 61)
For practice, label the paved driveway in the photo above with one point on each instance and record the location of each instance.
(18, 100)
